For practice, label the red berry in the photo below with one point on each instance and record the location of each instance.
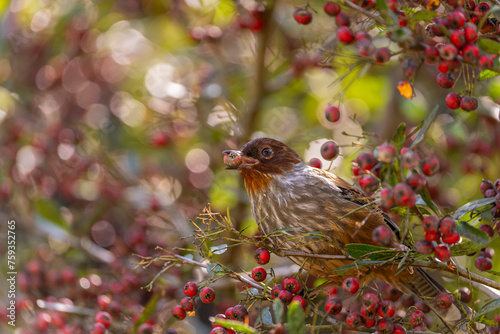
(488, 229)
(453, 100)
(386, 309)
(447, 226)
(259, 274)
(447, 66)
(145, 328)
(468, 103)
(490, 193)
(342, 20)
(240, 312)
(404, 195)
(292, 284)
(332, 113)
(368, 322)
(366, 161)
(218, 330)
(218, 316)
(315, 162)
(98, 328)
(188, 304)
(431, 54)
(350, 285)
(160, 139)
(382, 235)
(299, 299)
(178, 312)
(332, 8)
(103, 318)
(486, 61)
(387, 198)
(430, 166)
(302, 16)
(456, 19)
(483, 263)
(385, 326)
(370, 301)
(385, 153)
(333, 306)
(416, 318)
(275, 291)
(447, 51)
(367, 314)
(330, 150)
(452, 238)
(417, 182)
(398, 329)
(470, 30)
(444, 300)
(354, 320)
(382, 55)
(207, 295)
(410, 159)
(229, 313)
(345, 34)
(368, 183)
(485, 185)
(481, 8)
(262, 255)
(424, 247)
(470, 53)
(465, 294)
(285, 296)
(190, 289)
(445, 80)
(457, 37)
(365, 48)
(442, 253)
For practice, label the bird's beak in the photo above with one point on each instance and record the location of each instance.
(236, 159)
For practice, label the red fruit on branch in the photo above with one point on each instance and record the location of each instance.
(302, 16)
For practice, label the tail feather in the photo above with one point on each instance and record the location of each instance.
(455, 317)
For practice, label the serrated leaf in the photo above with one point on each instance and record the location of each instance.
(427, 123)
(216, 269)
(487, 74)
(278, 310)
(487, 308)
(426, 197)
(49, 210)
(473, 234)
(296, 318)
(399, 136)
(238, 326)
(266, 316)
(488, 45)
(362, 251)
(471, 206)
(466, 247)
(219, 249)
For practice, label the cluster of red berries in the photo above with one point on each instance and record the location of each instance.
(492, 190)
(188, 303)
(290, 291)
(237, 312)
(262, 256)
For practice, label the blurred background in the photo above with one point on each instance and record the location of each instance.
(113, 118)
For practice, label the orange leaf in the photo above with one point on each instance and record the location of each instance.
(405, 89)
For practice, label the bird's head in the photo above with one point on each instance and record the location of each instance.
(260, 160)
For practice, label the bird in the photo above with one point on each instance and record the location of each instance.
(292, 201)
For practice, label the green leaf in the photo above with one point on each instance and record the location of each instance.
(148, 310)
(238, 326)
(278, 310)
(471, 206)
(265, 316)
(488, 45)
(497, 273)
(427, 123)
(487, 74)
(424, 193)
(466, 247)
(488, 307)
(399, 136)
(49, 210)
(296, 318)
(362, 251)
(219, 249)
(315, 235)
(474, 234)
(422, 15)
(216, 269)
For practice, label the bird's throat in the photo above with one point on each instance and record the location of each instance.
(255, 181)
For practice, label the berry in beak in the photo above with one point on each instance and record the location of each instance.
(235, 159)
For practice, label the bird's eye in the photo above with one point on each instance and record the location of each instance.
(266, 152)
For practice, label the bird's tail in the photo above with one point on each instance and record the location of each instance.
(455, 318)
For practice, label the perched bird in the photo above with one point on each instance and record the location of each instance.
(292, 201)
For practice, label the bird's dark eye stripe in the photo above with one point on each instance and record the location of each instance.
(266, 152)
